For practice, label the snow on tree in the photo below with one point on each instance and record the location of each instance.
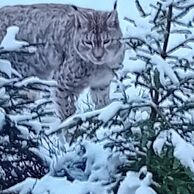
(23, 119)
(9, 42)
(142, 141)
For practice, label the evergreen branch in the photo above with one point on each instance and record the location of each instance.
(77, 120)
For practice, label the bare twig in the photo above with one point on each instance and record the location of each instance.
(167, 33)
(140, 8)
(180, 45)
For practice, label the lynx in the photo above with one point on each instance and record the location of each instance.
(81, 49)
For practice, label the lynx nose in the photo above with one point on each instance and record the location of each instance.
(98, 53)
(99, 58)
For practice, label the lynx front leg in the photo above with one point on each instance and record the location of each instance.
(65, 104)
(100, 86)
(100, 96)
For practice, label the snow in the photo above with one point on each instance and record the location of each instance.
(183, 150)
(96, 164)
(4, 81)
(160, 142)
(5, 67)
(56, 185)
(133, 185)
(35, 80)
(181, 95)
(133, 66)
(165, 69)
(2, 93)
(100, 163)
(22, 188)
(137, 27)
(2, 118)
(112, 109)
(100, 113)
(18, 117)
(130, 183)
(144, 186)
(37, 127)
(187, 73)
(73, 120)
(24, 131)
(9, 43)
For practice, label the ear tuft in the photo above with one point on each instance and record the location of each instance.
(75, 7)
(115, 5)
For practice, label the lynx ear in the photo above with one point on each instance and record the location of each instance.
(80, 17)
(115, 5)
(74, 7)
(112, 16)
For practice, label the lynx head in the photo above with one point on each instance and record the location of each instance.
(97, 36)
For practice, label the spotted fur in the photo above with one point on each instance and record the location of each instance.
(80, 48)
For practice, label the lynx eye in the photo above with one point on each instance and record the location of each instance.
(88, 42)
(106, 41)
